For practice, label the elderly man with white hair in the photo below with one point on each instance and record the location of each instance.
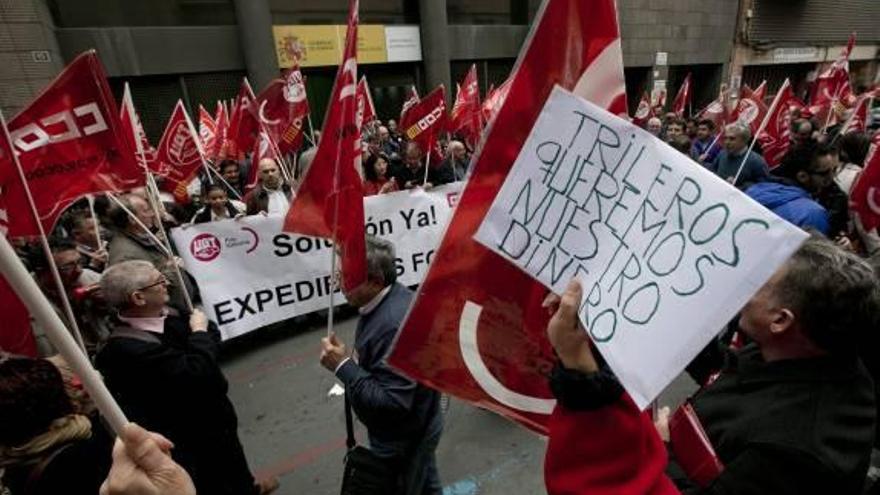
(733, 165)
(162, 368)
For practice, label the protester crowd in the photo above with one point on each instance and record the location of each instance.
(788, 397)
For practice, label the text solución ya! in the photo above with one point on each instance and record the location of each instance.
(639, 224)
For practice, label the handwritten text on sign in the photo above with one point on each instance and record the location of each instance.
(666, 252)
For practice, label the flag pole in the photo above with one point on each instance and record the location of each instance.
(311, 129)
(764, 123)
(91, 200)
(154, 200)
(427, 166)
(38, 305)
(220, 176)
(44, 242)
(195, 137)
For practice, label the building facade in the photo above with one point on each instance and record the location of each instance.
(199, 50)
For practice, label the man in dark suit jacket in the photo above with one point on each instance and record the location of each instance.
(162, 369)
(402, 417)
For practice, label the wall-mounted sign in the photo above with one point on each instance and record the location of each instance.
(321, 45)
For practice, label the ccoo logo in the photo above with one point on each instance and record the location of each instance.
(205, 247)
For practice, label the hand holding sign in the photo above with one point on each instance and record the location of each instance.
(665, 251)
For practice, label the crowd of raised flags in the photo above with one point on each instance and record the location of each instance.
(74, 140)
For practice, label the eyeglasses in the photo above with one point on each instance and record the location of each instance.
(162, 281)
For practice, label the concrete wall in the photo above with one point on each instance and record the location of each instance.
(29, 54)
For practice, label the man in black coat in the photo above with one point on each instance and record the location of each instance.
(162, 369)
(793, 412)
(402, 417)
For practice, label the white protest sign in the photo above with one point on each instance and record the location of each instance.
(251, 274)
(666, 252)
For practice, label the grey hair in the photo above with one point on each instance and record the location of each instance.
(124, 278)
(741, 130)
(380, 260)
(833, 294)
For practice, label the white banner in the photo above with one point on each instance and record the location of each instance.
(666, 251)
(252, 274)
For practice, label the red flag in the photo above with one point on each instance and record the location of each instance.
(683, 97)
(16, 336)
(644, 112)
(832, 87)
(466, 118)
(207, 129)
(495, 100)
(242, 123)
(221, 134)
(180, 154)
(775, 139)
(865, 195)
(717, 110)
(69, 144)
(366, 112)
(130, 123)
(750, 109)
(330, 200)
(477, 314)
(411, 100)
(425, 121)
(759, 93)
(858, 120)
(281, 108)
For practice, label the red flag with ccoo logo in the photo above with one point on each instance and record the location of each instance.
(69, 144)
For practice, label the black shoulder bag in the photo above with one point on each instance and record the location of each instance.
(366, 473)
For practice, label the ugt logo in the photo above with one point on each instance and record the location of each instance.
(205, 247)
(182, 150)
(65, 125)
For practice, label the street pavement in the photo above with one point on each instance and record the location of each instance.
(292, 429)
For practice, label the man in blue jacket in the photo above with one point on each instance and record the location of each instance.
(790, 191)
(728, 163)
(402, 417)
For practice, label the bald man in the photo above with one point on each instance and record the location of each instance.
(272, 195)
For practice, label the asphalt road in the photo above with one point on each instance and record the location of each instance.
(291, 428)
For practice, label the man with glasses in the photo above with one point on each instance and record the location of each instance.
(793, 189)
(162, 368)
(82, 290)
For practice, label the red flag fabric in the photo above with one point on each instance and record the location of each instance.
(280, 110)
(330, 200)
(366, 112)
(16, 336)
(477, 314)
(207, 129)
(864, 198)
(411, 100)
(466, 118)
(644, 112)
(69, 144)
(717, 110)
(221, 134)
(832, 86)
(760, 93)
(179, 155)
(242, 123)
(775, 139)
(683, 97)
(858, 120)
(495, 100)
(750, 109)
(425, 121)
(130, 123)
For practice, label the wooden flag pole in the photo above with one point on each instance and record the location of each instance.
(44, 243)
(39, 307)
